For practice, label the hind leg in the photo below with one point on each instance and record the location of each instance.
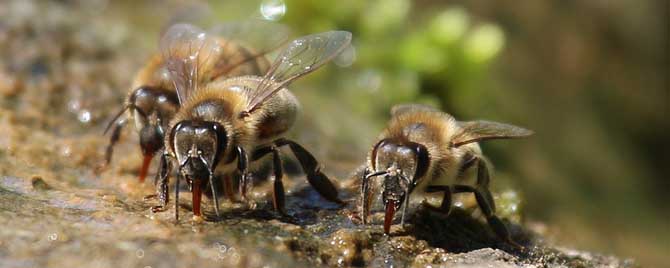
(312, 170)
(486, 207)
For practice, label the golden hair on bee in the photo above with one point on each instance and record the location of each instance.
(425, 150)
(234, 49)
(220, 121)
(432, 128)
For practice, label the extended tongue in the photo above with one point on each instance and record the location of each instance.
(196, 197)
(145, 166)
(388, 217)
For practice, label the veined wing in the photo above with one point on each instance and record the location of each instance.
(475, 131)
(302, 56)
(248, 41)
(187, 52)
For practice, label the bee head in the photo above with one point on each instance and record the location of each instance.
(152, 108)
(403, 164)
(198, 146)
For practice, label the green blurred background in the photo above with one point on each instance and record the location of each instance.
(589, 77)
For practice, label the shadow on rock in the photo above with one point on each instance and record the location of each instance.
(460, 232)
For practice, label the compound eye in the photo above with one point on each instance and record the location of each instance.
(140, 119)
(408, 165)
(166, 107)
(183, 140)
(206, 143)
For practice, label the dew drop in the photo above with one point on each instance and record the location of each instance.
(84, 116)
(273, 9)
(67, 151)
(139, 253)
(73, 105)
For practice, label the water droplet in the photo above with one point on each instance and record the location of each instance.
(273, 9)
(164, 73)
(67, 151)
(139, 253)
(84, 116)
(73, 105)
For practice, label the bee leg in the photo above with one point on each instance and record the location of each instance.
(215, 198)
(161, 182)
(487, 209)
(483, 180)
(310, 166)
(278, 187)
(113, 139)
(176, 198)
(278, 198)
(445, 206)
(228, 187)
(365, 196)
(242, 167)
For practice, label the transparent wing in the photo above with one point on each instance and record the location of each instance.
(475, 131)
(302, 56)
(187, 52)
(249, 40)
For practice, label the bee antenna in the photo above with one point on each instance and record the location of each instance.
(116, 118)
(211, 184)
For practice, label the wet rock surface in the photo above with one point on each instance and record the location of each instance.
(61, 79)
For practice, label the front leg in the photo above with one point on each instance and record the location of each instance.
(365, 196)
(310, 166)
(161, 181)
(278, 197)
(243, 168)
(113, 140)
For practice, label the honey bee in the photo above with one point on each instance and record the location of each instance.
(424, 150)
(153, 101)
(221, 121)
